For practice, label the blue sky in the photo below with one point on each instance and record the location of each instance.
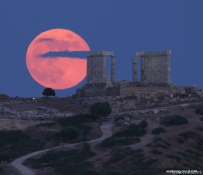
(124, 27)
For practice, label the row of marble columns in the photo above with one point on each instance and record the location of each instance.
(155, 68)
(96, 69)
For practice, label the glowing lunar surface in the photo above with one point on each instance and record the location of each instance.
(56, 72)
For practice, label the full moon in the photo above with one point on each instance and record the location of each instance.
(57, 72)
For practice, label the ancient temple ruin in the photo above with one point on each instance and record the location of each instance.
(155, 67)
(96, 67)
(155, 75)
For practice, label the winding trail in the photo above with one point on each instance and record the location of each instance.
(105, 128)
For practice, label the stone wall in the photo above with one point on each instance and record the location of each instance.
(126, 88)
(143, 100)
(129, 91)
(113, 91)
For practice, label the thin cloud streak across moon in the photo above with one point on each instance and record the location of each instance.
(57, 72)
(76, 54)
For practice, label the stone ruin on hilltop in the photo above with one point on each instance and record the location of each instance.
(155, 76)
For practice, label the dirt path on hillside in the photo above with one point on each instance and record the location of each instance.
(105, 128)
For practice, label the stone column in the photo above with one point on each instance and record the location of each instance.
(158, 70)
(92, 69)
(104, 69)
(152, 70)
(88, 70)
(142, 69)
(168, 70)
(134, 69)
(149, 69)
(113, 68)
(145, 69)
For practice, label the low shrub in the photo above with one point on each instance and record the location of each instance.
(76, 120)
(83, 155)
(189, 166)
(114, 173)
(70, 132)
(148, 163)
(72, 168)
(188, 134)
(24, 147)
(159, 142)
(100, 109)
(86, 129)
(119, 123)
(201, 119)
(50, 156)
(199, 110)
(156, 152)
(132, 130)
(12, 136)
(117, 157)
(157, 131)
(193, 152)
(133, 126)
(143, 124)
(90, 172)
(199, 128)
(178, 159)
(156, 139)
(47, 124)
(113, 141)
(193, 159)
(1, 169)
(130, 133)
(121, 117)
(138, 151)
(86, 147)
(174, 120)
(180, 139)
(66, 161)
(5, 156)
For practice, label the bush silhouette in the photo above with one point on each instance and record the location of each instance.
(157, 131)
(133, 130)
(100, 109)
(5, 156)
(86, 147)
(156, 152)
(90, 172)
(69, 132)
(48, 92)
(180, 139)
(117, 157)
(143, 124)
(114, 141)
(188, 134)
(199, 111)
(76, 120)
(174, 120)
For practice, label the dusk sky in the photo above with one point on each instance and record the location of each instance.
(124, 27)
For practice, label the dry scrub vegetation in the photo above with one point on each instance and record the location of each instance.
(145, 144)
